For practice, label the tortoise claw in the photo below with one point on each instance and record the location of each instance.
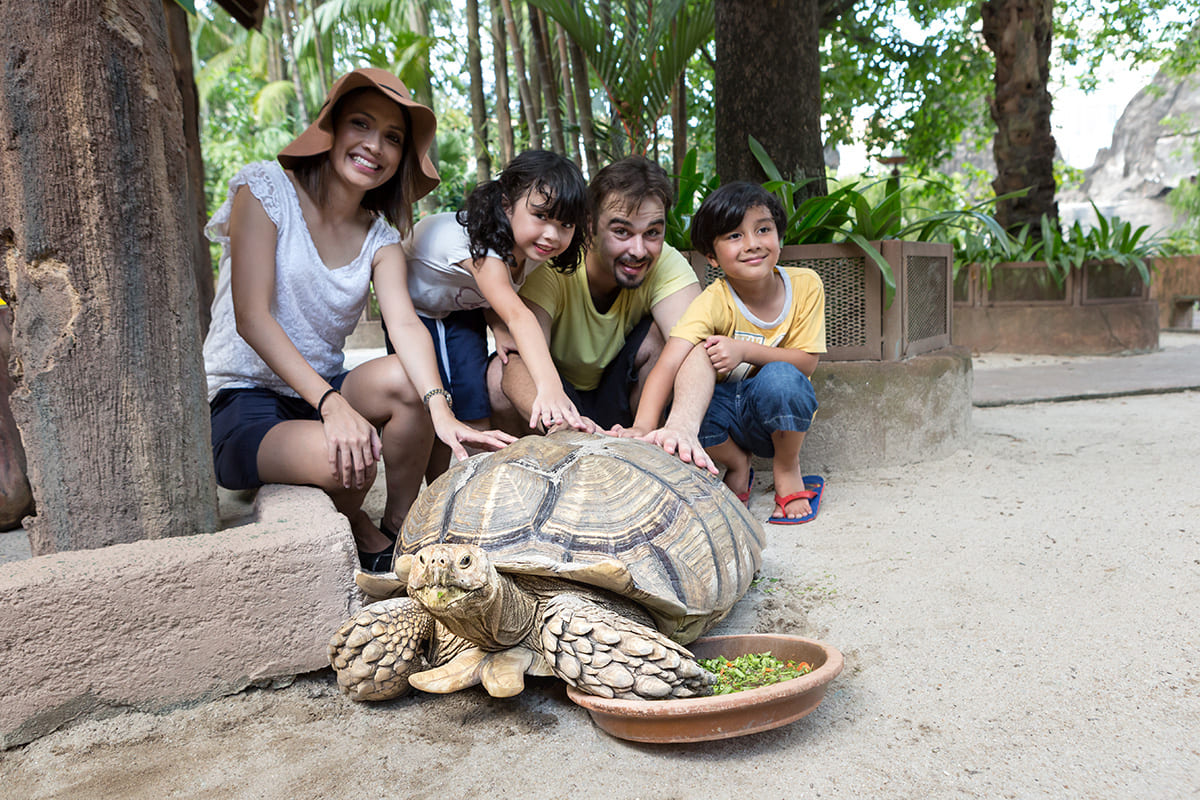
(376, 651)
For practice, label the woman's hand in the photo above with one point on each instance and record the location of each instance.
(456, 435)
(352, 443)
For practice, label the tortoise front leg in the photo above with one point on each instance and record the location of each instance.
(375, 651)
(599, 651)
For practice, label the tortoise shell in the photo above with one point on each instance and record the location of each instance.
(617, 514)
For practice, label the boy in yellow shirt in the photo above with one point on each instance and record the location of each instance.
(741, 357)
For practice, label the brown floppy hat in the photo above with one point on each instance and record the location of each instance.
(318, 137)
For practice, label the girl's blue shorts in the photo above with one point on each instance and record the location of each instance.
(460, 341)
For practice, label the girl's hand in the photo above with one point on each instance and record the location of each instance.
(456, 435)
(724, 353)
(352, 443)
(553, 409)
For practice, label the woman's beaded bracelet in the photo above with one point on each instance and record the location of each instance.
(321, 402)
(429, 395)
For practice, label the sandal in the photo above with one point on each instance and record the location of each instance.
(381, 561)
(745, 496)
(814, 485)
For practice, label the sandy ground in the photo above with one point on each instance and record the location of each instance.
(1018, 620)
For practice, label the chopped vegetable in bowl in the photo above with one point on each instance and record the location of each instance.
(751, 671)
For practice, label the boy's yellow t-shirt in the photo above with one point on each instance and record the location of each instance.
(582, 340)
(718, 311)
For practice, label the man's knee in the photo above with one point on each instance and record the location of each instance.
(495, 384)
(649, 350)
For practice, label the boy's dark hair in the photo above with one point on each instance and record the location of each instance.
(632, 179)
(393, 200)
(555, 186)
(723, 211)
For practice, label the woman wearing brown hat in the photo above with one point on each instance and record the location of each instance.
(302, 241)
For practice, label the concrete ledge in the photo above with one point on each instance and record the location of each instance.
(156, 624)
(886, 413)
(1059, 329)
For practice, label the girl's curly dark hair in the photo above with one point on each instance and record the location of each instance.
(555, 186)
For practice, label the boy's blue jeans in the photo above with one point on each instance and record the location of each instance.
(778, 398)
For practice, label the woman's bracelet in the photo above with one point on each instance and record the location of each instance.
(321, 402)
(429, 395)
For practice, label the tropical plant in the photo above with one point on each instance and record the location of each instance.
(637, 50)
(848, 214)
(694, 186)
(1110, 240)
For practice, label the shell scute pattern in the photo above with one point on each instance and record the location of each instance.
(613, 513)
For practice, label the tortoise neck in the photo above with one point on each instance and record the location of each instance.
(504, 619)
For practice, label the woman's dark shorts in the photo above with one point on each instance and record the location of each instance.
(240, 420)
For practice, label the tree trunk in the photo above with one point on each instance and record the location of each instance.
(541, 49)
(285, 11)
(564, 65)
(764, 46)
(483, 162)
(583, 96)
(422, 91)
(1019, 32)
(679, 116)
(110, 400)
(527, 106)
(185, 82)
(319, 49)
(500, 60)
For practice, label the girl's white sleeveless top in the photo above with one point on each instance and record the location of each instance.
(317, 307)
(437, 280)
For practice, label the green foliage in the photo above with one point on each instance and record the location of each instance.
(1110, 240)
(694, 186)
(861, 216)
(638, 51)
(922, 85)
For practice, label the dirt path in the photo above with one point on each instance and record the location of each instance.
(1018, 620)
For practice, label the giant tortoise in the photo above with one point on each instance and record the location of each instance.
(588, 557)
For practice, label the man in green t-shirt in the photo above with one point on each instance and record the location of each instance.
(605, 323)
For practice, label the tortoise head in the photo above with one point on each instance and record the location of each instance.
(455, 579)
(460, 587)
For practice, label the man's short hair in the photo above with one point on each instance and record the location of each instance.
(632, 179)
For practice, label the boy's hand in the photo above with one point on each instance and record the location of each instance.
(684, 444)
(724, 353)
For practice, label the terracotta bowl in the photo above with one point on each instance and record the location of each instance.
(701, 719)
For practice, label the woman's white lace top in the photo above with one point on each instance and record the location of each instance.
(317, 307)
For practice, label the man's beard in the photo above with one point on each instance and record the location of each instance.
(629, 282)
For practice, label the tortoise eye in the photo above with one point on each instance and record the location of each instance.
(464, 562)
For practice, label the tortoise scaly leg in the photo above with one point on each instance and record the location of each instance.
(599, 651)
(376, 651)
(502, 673)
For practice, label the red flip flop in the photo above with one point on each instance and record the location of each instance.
(814, 485)
(745, 496)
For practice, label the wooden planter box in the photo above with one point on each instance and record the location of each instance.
(858, 326)
(1100, 309)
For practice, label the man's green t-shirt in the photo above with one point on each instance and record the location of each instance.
(582, 340)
